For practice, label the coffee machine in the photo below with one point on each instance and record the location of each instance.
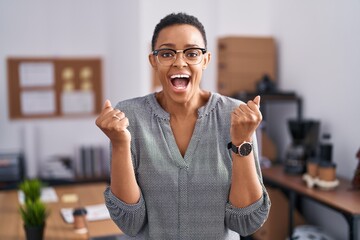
(304, 141)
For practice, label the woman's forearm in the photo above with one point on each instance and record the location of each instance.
(123, 181)
(245, 185)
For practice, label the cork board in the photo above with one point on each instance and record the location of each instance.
(54, 87)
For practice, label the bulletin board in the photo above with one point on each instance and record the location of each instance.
(54, 87)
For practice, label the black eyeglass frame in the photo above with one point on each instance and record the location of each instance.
(156, 51)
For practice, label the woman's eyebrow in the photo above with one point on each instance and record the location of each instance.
(171, 45)
(191, 45)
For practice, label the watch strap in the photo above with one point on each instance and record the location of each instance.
(233, 147)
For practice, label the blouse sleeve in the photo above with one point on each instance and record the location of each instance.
(130, 218)
(247, 220)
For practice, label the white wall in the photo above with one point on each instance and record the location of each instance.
(318, 58)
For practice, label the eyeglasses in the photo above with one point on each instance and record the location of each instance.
(167, 56)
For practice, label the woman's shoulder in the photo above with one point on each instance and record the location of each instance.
(142, 108)
(225, 101)
(218, 104)
(135, 102)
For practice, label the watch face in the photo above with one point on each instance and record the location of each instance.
(245, 149)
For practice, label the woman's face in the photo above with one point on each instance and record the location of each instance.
(180, 81)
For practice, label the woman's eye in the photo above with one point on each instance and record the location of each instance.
(192, 54)
(167, 54)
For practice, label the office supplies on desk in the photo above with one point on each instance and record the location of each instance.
(94, 213)
(48, 195)
(69, 198)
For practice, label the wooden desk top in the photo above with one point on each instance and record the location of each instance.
(11, 225)
(343, 197)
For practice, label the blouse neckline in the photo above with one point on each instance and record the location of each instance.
(202, 111)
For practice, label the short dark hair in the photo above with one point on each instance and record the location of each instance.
(174, 19)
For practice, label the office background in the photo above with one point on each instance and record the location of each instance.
(318, 57)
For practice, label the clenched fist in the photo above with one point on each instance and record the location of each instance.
(244, 121)
(114, 124)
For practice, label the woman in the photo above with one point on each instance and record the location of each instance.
(172, 173)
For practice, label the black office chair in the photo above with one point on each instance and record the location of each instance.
(12, 170)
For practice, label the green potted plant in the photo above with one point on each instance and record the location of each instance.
(33, 211)
(31, 189)
(34, 214)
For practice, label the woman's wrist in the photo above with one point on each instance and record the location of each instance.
(120, 146)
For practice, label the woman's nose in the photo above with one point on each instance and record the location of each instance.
(179, 60)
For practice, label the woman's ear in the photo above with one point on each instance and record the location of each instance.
(152, 60)
(206, 60)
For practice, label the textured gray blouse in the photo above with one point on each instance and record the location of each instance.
(184, 197)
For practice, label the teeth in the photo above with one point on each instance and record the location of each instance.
(179, 76)
(181, 88)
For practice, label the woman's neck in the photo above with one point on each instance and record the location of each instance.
(183, 110)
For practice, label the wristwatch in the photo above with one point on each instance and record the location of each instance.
(243, 150)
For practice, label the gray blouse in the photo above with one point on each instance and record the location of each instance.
(184, 197)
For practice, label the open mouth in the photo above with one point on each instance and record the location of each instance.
(180, 81)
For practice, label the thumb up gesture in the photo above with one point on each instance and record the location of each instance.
(114, 124)
(244, 121)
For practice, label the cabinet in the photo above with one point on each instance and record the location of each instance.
(243, 61)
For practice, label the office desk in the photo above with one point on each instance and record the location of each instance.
(341, 199)
(11, 225)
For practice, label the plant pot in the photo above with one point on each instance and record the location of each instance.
(34, 232)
